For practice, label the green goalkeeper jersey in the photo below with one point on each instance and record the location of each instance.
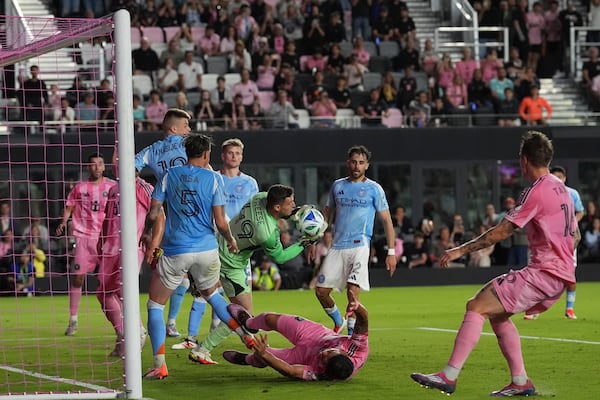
(253, 229)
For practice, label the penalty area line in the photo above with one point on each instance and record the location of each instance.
(425, 328)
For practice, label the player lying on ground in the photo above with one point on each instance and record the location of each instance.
(318, 353)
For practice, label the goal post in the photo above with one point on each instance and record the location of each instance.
(42, 155)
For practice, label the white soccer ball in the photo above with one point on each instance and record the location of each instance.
(311, 222)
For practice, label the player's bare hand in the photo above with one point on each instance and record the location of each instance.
(450, 255)
(60, 228)
(232, 246)
(311, 253)
(262, 343)
(390, 264)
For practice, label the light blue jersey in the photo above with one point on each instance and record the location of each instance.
(576, 199)
(162, 155)
(239, 190)
(355, 205)
(190, 193)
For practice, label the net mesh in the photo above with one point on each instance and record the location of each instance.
(55, 112)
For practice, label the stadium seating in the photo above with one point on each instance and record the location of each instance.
(265, 98)
(170, 99)
(232, 78)
(158, 47)
(370, 47)
(193, 98)
(371, 80)
(346, 118)
(136, 35)
(394, 119)
(171, 32)
(345, 49)
(142, 85)
(217, 65)
(154, 34)
(209, 81)
(389, 49)
(303, 119)
(379, 64)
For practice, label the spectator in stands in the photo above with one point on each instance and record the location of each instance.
(240, 59)
(280, 112)
(591, 68)
(35, 96)
(87, 110)
(438, 248)
(220, 97)
(246, 88)
(94, 8)
(38, 259)
(335, 31)
(234, 7)
(359, 50)
(38, 232)
(552, 55)
(103, 93)
(204, 111)
(416, 254)
(266, 277)
(388, 91)
(445, 72)
(508, 109)
(65, 114)
(490, 218)
(191, 10)
(54, 100)
(361, 26)
(488, 16)
(278, 41)
(209, 43)
(514, 66)
(267, 72)
(324, 111)
(235, 116)
(76, 92)
(292, 22)
(168, 15)
(532, 108)
(527, 79)
(182, 102)
(595, 93)
(290, 56)
(498, 85)
(7, 221)
(383, 28)
(490, 65)
(313, 92)
(293, 89)
(145, 60)
(340, 94)
(155, 111)
(519, 28)
(405, 28)
(148, 15)
(139, 113)
(173, 51)
(429, 58)
(439, 113)
(107, 114)
(259, 11)
(594, 21)
(569, 17)
(481, 258)
(355, 71)
(313, 31)
(535, 30)
(190, 73)
(407, 88)
(372, 110)
(466, 67)
(222, 22)
(419, 110)
(244, 22)
(33, 237)
(589, 216)
(479, 93)
(255, 116)
(590, 244)
(315, 62)
(409, 55)
(228, 41)
(335, 61)
(23, 275)
(168, 77)
(258, 54)
(7, 243)
(456, 93)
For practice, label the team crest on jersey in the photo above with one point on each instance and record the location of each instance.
(239, 188)
(104, 194)
(321, 278)
(362, 193)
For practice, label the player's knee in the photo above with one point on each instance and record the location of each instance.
(185, 283)
(339, 367)
(152, 305)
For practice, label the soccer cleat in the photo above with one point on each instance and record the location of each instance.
(530, 317)
(515, 390)
(72, 328)
(240, 315)
(248, 340)
(118, 351)
(570, 314)
(435, 381)
(337, 329)
(157, 373)
(186, 343)
(201, 356)
(235, 357)
(172, 330)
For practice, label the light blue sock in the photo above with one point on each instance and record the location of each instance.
(351, 324)
(196, 314)
(335, 315)
(570, 299)
(219, 305)
(156, 325)
(177, 298)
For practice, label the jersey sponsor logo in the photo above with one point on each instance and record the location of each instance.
(299, 319)
(340, 193)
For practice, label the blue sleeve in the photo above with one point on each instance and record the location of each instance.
(141, 159)
(381, 203)
(219, 191)
(577, 200)
(160, 189)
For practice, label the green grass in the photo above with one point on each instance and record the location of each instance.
(559, 369)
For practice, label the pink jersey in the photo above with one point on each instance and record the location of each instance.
(535, 27)
(546, 209)
(112, 227)
(465, 69)
(88, 200)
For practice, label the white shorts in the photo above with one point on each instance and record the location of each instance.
(345, 266)
(203, 267)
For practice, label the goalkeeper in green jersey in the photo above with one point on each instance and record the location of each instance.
(254, 228)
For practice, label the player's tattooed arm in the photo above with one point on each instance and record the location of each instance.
(362, 317)
(153, 214)
(261, 350)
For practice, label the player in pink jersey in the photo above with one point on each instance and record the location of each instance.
(109, 292)
(86, 203)
(318, 353)
(546, 211)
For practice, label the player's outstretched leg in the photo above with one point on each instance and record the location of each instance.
(569, 312)
(328, 304)
(241, 315)
(515, 390)
(194, 320)
(219, 304)
(174, 306)
(437, 381)
(235, 357)
(157, 331)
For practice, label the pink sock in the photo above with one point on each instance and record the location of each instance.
(74, 300)
(466, 338)
(510, 345)
(258, 322)
(113, 308)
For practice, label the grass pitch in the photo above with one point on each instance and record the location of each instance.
(411, 329)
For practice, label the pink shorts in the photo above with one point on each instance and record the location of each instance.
(528, 289)
(109, 273)
(305, 335)
(86, 256)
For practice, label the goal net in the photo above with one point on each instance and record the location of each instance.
(65, 95)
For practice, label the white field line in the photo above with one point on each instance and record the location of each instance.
(424, 328)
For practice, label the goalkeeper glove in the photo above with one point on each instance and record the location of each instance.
(295, 216)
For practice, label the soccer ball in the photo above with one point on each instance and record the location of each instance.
(311, 222)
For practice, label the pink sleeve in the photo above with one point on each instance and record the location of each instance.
(526, 210)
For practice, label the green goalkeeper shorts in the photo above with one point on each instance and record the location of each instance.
(236, 281)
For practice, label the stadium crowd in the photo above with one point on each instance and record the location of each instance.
(229, 63)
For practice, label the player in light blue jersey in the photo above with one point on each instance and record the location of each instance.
(351, 207)
(239, 189)
(561, 174)
(194, 196)
(159, 157)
